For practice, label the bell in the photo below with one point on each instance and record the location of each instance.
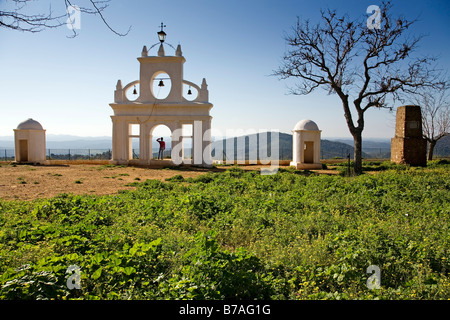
(161, 83)
(134, 90)
(189, 91)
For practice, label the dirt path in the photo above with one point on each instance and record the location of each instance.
(26, 182)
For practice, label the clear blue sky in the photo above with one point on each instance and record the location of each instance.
(67, 84)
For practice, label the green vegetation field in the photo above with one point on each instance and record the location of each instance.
(236, 234)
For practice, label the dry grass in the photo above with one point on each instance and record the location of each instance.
(26, 182)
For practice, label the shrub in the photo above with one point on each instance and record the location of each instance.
(176, 178)
(212, 273)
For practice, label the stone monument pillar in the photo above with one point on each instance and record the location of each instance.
(408, 146)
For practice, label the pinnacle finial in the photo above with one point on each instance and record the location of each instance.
(161, 52)
(204, 85)
(178, 52)
(144, 52)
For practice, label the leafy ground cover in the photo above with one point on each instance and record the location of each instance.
(236, 234)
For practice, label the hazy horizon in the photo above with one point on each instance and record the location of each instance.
(60, 137)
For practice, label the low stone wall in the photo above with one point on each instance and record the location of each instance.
(61, 162)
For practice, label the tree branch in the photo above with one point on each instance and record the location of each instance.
(16, 20)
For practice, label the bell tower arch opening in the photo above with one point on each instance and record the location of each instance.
(156, 133)
(187, 142)
(132, 93)
(134, 141)
(160, 85)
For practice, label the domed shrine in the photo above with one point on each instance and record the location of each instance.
(306, 145)
(29, 139)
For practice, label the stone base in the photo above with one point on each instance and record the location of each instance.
(412, 151)
(305, 166)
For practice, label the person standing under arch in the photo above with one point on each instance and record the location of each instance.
(162, 147)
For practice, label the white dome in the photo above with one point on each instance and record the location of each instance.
(307, 125)
(30, 124)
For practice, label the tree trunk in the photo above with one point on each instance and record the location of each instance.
(432, 144)
(357, 137)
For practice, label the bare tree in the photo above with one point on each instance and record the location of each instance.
(17, 17)
(363, 66)
(435, 105)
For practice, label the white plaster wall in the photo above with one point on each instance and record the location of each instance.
(299, 139)
(36, 144)
(151, 67)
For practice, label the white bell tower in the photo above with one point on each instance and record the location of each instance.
(147, 111)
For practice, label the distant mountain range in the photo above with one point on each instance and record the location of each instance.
(239, 146)
(442, 148)
(54, 141)
(330, 147)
